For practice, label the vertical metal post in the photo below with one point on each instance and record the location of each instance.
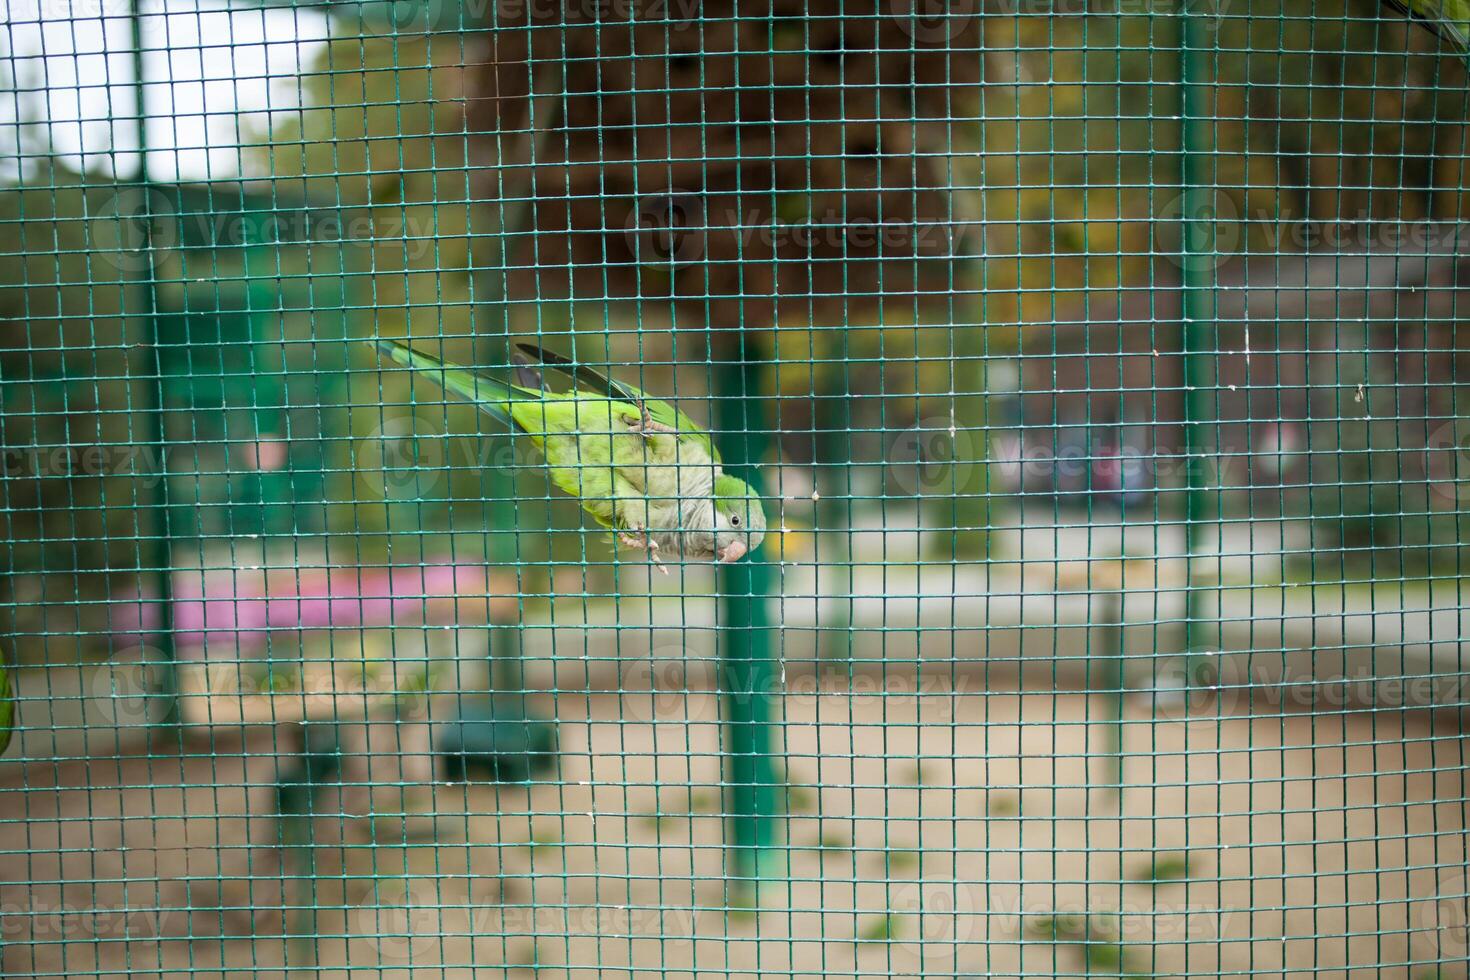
(969, 383)
(1198, 263)
(969, 510)
(1113, 630)
(158, 549)
(834, 509)
(753, 796)
(298, 842)
(505, 672)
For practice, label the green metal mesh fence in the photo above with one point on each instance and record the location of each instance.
(1095, 367)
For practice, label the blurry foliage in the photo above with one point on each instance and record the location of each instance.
(72, 479)
(1316, 119)
(385, 139)
(1073, 157)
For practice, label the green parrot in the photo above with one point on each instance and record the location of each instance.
(7, 707)
(643, 469)
(1450, 19)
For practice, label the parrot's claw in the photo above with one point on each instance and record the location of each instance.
(647, 424)
(653, 553)
(643, 540)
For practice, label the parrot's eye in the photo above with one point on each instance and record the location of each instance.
(734, 520)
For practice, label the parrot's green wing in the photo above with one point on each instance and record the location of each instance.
(555, 422)
(1450, 19)
(659, 410)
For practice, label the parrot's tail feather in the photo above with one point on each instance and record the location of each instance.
(491, 396)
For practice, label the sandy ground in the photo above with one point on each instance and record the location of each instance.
(933, 832)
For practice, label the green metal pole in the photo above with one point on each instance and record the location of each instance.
(753, 795)
(298, 840)
(969, 386)
(1198, 263)
(834, 509)
(969, 502)
(158, 549)
(1113, 633)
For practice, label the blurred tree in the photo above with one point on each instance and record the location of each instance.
(1331, 123)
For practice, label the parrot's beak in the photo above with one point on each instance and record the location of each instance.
(734, 551)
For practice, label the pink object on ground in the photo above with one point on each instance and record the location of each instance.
(244, 608)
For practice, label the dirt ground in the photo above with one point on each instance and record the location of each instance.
(932, 832)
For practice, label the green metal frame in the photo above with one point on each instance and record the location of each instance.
(1198, 260)
(160, 555)
(748, 648)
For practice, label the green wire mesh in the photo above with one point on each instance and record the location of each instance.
(1099, 364)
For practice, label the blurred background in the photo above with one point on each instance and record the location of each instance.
(1100, 364)
(303, 191)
